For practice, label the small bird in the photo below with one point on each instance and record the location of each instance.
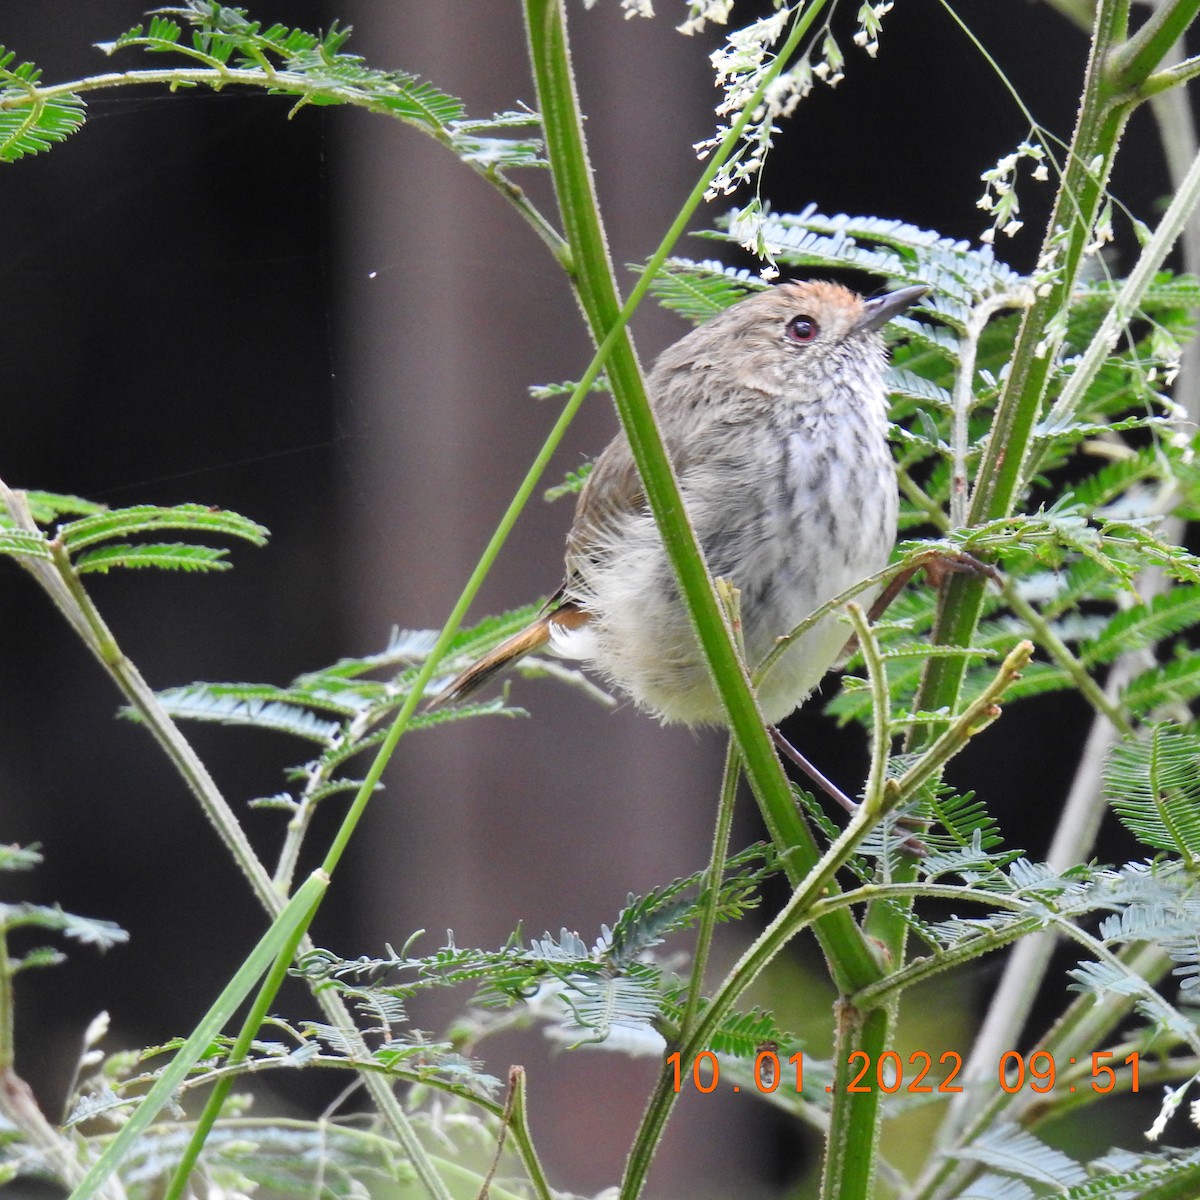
(774, 414)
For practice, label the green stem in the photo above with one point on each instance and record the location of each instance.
(852, 1149)
(1079, 11)
(519, 1125)
(1173, 77)
(849, 956)
(716, 874)
(294, 917)
(1061, 653)
(1102, 117)
(258, 1013)
(930, 509)
(964, 401)
(881, 714)
(791, 919)
(1131, 64)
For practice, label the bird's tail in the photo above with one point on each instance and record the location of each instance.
(497, 660)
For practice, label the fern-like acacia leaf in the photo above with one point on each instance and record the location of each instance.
(147, 518)
(47, 507)
(1145, 624)
(1153, 785)
(317, 70)
(1175, 683)
(19, 544)
(171, 556)
(29, 121)
(700, 290)
(231, 706)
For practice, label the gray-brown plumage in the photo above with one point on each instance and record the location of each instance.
(774, 416)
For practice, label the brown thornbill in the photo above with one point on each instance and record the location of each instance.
(774, 414)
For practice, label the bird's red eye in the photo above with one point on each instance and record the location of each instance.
(802, 330)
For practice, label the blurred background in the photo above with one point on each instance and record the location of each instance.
(329, 325)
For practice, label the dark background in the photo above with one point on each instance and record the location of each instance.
(327, 324)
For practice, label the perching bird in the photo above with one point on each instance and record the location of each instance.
(774, 414)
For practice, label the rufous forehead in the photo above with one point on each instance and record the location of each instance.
(821, 293)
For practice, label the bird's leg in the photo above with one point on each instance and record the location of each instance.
(912, 844)
(826, 785)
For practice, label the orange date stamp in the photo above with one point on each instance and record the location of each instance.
(889, 1072)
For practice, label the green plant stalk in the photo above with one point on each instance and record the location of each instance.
(881, 714)
(259, 1011)
(519, 1127)
(278, 937)
(815, 899)
(1101, 119)
(380, 1091)
(851, 961)
(1133, 63)
(1080, 11)
(855, 1126)
(964, 400)
(1110, 93)
(1172, 77)
(849, 956)
(1180, 1187)
(716, 873)
(338, 1062)
(794, 917)
(1061, 653)
(1149, 261)
(855, 1120)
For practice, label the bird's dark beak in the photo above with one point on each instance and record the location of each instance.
(878, 312)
